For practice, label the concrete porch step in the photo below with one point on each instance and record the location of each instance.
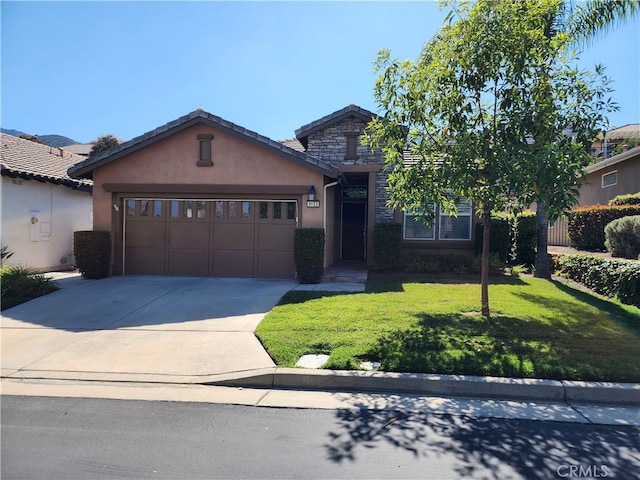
(346, 273)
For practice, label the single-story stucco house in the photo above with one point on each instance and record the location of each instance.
(606, 179)
(617, 175)
(41, 205)
(204, 196)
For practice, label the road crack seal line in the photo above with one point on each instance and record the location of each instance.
(580, 413)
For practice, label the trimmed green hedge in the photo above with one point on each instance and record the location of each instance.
(499, 236)
(612, 278)
(308, 253)
(387, 239)
(525, 239)
(586, 224)
(92, 250)
(629, 199)
(513, 238)
(439, 263)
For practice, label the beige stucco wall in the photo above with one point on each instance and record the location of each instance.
(173, 161)
(592, 193)
(46, 244)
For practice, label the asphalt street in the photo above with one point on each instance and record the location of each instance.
(79, 438)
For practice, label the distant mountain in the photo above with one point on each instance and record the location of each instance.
(8, 131)
(50, 140)
(56, 140)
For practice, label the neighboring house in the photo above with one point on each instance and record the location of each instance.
(617, 175)
(203, 196)
(613, 138)
(83, 149)
(41, 205)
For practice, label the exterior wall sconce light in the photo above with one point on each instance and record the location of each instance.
(311, 198)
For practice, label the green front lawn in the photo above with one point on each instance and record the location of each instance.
(538, 329)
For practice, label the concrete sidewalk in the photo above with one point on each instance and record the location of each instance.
(199, 331)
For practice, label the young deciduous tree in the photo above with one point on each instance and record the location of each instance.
(466, 108)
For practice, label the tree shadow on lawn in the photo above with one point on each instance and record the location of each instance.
(485, 447)
(469, 344)
(613, 310)
(393, 282)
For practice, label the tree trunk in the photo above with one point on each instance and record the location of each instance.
(486, 230)
(542, 259)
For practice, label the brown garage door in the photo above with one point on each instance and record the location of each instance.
(230, 238)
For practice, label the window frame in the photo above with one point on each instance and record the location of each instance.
(442, 214)
(436, 224)
(420, 239)
(607, 175)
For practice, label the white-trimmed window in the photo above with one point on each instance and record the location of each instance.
(417, 230)
(610, 179)
(449, 227)
(456, 228)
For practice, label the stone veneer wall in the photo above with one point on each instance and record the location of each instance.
(330, 145)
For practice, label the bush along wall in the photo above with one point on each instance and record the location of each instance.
(622, 237)
(525, 239)
(92, 250)
(586, 224)
(499, 237)
(387, 239)
(512, 238)
(629, 199)
(439, 263)
(308, 253)
(613, 278)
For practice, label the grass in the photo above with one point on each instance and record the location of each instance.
(538, 329)
(21, 284)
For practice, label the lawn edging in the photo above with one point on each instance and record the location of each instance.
(499, 388)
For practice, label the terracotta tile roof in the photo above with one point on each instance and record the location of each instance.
(85, 169)
(293, 143)
(26, 159)
(632, 130)
(79, 148)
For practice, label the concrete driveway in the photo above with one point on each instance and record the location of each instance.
(140, 328)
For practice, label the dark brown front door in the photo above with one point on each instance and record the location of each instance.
(353, 230)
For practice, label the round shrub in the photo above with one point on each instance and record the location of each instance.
(92, 250)
(623, 237)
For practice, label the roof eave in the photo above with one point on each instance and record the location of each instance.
(621, 157)
(66, 182)
(85, 169)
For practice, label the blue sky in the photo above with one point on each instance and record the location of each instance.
(85, 69)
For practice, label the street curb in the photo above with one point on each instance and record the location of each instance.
(429, 384)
